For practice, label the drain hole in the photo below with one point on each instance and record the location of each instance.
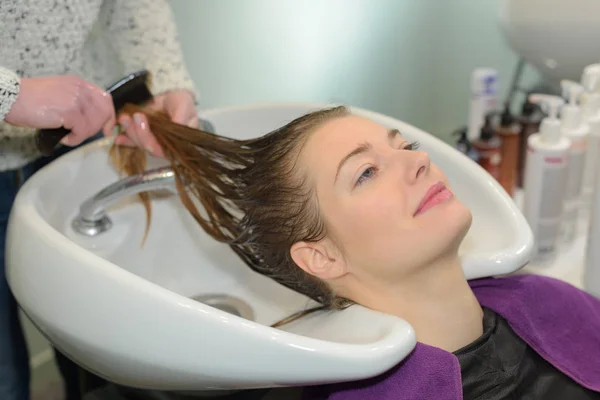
(228, 308)
(229, 304)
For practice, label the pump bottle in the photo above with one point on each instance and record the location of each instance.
(489, 148)
(591, 271)
(546, 178)
(484, 92)
(590, 109)
(573, 128)
(530, 119)
(591, 275)
(508, 132)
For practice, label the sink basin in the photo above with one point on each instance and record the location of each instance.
(183, 312)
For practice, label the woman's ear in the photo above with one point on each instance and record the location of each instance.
(319, 259)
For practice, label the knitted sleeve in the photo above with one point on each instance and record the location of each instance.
(9, 90)
(144, 34)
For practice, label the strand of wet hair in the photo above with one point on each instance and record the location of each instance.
(217, 172)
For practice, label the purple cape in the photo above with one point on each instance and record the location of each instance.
(560, 322)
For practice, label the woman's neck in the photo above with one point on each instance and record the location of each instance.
(437, 301)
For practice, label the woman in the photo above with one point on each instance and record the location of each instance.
(344, 210)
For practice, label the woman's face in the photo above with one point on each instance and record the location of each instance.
(388, 210)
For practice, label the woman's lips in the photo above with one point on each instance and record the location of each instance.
(436, 194)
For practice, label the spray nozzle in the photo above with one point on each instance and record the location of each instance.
(590, 78)
(549, 104)
(462, 131)
(571, 113)
(571, 90)
(550, 126)
(506, 118)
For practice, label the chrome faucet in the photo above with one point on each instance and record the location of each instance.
(92, 219)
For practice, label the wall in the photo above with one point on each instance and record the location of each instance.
(409, 59)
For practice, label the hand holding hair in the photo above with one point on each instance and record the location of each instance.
(178, 105)
(63, 101)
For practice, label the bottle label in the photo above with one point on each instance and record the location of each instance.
(576, 166)
(555, 161)
(551, 206)
(545, 184)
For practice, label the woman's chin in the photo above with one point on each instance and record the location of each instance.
(462, 221)
(454, 223)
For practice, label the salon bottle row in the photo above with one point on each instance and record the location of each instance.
(497, 140)
(554, 160)
(561, 165)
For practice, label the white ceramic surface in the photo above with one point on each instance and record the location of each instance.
(125, 312)
(558, 37)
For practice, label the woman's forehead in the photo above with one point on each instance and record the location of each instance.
(335, 139)
(345, 131)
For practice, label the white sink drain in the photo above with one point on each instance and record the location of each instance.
(229, 304)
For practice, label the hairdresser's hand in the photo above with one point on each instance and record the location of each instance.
(177, 104)
(69, 101)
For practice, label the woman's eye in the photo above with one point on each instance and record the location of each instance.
(371, 171)
(367, 174)
(411, 146)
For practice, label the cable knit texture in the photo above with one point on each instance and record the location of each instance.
(9, 90)
(98, 40)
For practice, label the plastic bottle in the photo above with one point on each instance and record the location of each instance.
(484, 92)
(530, 120)
(508, 132)
(591, 276)
(546, 178)
(489, 148)
(463, 144)
(590, 109)
(591, 271)
(573, 128)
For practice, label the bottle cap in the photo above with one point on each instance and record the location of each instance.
(506, 118)
(590, 80)
(571, 112)
(487, 130)
(550, 125)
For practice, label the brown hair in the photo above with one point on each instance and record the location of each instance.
(252, 194)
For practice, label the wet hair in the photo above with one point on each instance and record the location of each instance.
(250, 194)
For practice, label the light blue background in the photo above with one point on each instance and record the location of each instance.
(410, 59)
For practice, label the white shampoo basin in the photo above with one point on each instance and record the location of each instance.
(163, 317)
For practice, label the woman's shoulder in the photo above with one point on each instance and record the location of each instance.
(537, 303)
(427, 373)
(546, 312)
(529, 289)
(559, 321)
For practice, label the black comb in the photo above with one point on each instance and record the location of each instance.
(131, 89)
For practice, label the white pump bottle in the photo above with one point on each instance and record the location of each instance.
(591, 277)
(591, 274)
(546, 178)
(574, 129)
(590, 108)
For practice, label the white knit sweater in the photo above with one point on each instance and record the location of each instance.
(98, 40)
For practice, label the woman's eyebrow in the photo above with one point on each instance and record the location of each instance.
(363, 148)
(392, 133)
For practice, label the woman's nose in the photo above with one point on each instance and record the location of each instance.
(420, 165)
